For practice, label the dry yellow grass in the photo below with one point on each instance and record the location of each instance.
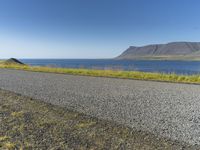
(17, 114)
(9, 146)
(110, 73)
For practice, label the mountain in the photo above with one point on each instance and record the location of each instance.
(13, 61)
(174, 50)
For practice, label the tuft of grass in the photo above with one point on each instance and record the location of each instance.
(110, 73)
(9, 146)
(17, 114)
(85, 124)
(3, 138)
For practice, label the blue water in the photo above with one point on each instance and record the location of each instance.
(179, 67)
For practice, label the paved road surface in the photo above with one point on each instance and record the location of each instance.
(165, 109)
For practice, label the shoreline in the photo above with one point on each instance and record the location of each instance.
(135, 75)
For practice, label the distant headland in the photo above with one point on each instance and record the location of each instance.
(169, 51)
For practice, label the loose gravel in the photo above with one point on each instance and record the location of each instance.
(30, 124)
(164, 109)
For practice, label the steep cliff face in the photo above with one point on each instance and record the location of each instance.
(170, 49)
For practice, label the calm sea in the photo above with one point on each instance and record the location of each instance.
(179, 67)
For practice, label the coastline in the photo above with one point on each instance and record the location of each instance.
(163, 58)
(136, 75)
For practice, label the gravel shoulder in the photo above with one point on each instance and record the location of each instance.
(32, 124)
(164, 109)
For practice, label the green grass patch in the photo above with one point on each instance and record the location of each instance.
(109, 73)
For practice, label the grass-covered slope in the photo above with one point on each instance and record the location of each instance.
(27, 124)
(109, 73)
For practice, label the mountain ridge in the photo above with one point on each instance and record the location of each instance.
(169, 50)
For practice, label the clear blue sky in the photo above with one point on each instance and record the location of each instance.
(92, 28)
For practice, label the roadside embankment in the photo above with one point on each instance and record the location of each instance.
(165, 109)
(26, 123)
(193, 79)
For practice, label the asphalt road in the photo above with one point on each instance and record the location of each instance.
(165, 109)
